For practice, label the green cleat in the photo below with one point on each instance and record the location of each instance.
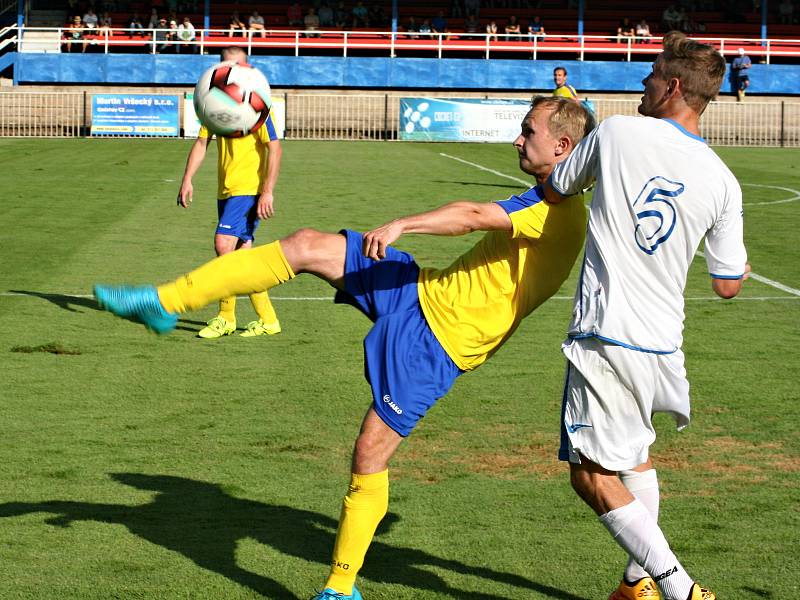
(255, 328)
(216, 328)
(137, 303)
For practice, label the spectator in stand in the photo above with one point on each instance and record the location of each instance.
(104, 27)
(563, 89)
(786, 12)
(90, 20)
(236, 25)
(325, 14)
(491, 29)
(536, 28)
(152, 22)
(255, 22)
(740, 80)
(74, 34)
(425, 28)
(472, 24)
(311, 22)
(341, 18)
(294, 15)
(377, 16)
(439, 23)
(135, 26)
(412, 28)
(186, 36)
(670, 18)
(643, 34)
(625, 30)
(164, 36)
(360, 15)
(472, 7)
(512, 28)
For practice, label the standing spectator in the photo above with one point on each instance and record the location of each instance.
(643, 32)
(740, 80)
(439, 23)
(255, 22)
(512, 28)
(536, 28)
(341, 18)
(135, 25)
(74, 34)
(186, 36)
(563, 89)
(294, 15)
(325, 14)
(360, 15)
(311, 22)
(491, 29)
(625, 30)
(786, 12)
(235, 25)
(472, 24)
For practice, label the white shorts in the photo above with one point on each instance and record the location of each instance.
(610, 394)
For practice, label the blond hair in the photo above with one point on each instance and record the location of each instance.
(567, 117)
(233, 53)
(699, 68)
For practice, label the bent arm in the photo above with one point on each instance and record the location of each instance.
(193, 162)
(455, 218)
(729, 288)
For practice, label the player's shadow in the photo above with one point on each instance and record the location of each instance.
(202, 522)
(517, 186)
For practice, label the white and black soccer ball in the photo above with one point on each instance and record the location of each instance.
(232, 99)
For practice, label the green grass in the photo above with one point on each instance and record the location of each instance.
(134, 466)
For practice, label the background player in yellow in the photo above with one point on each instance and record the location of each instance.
(563, 89)
(247, 170)
(430, 325)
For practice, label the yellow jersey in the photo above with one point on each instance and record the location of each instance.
(565, 91)
(474, 305)
(242, 161)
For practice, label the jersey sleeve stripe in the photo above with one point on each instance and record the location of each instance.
(523, 201)
(715, 276)
(273, 135)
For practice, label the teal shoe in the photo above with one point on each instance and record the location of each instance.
(138, 303)
(329, 594)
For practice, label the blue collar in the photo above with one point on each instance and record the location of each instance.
(683, 130)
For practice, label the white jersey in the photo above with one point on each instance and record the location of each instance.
(660, 191)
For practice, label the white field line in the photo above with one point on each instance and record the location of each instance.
(776, 284)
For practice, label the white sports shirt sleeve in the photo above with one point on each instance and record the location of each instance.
(660, 191)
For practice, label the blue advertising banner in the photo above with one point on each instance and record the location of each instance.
(461, 119)
(135, 114)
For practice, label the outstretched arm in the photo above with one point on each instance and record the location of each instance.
(456, 218)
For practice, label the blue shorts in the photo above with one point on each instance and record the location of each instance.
(238, 217)
(404, 363)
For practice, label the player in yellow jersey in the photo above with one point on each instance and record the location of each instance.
(430, 325)
(563, 89)
(247, 170)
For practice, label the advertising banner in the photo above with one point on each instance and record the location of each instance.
(191, 125)
(461, 119)
(135, 114)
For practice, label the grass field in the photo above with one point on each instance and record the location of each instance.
(136, 466)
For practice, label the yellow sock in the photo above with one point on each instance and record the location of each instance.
(241, 272)
(264, 309)
(227, 308)
(363, 508)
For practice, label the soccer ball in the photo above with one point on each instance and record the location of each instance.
(232, 99)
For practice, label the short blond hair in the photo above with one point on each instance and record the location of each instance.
(567, 117)
(699, 68)
(233, 53)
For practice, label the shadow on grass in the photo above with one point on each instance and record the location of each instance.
(69, 303)
(202, 522)
(517, 186)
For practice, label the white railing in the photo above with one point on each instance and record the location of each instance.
(395, 44)
(42, 114)
(342, 116)
(8, 37)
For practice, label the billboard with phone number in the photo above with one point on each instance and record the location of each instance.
(461, 119)
(135, 114)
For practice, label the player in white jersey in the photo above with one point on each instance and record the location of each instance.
(660, 190)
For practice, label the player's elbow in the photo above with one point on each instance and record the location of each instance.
(726, 288)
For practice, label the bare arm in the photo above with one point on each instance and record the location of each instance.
(196, 156)
(265, 208)
(456, 218)
(729, 288)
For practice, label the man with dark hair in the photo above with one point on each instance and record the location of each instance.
(563, 89)
(660, 190)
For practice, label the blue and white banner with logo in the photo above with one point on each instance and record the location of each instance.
(461, 119)
(135, 114)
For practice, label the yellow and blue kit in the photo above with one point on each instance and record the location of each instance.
(241, 168)
(431, 325)
(566, 91)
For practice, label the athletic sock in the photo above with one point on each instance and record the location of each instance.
(227, 309)
(240, 272)
(637, 532)
(263, 307)
(364, 506)
(644, 486)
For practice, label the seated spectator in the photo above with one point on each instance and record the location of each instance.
(360, 15)
(135, 25)
(236, 26)
(670, 18)
(377, 16)
(311, 22)
(411, 28)
(536, 28)
(439, 23)
(472, 24)
(165, 35)
(186, 36)
(491, 29)
(74, 34)
(104, 27)
(425, 28)
(325, 14)
(90, 20)
(786, 12)
(341, 18)
(643, 34)
(294, 15)
(512, 28)
(152, 23)
(255, 22)
(625, 30)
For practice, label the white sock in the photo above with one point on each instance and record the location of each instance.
(637, 532)
(644, 486)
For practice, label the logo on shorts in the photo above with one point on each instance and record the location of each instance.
(574, 427)
(224, 226)
(388, 400)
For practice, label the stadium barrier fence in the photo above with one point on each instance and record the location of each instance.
(348, 116)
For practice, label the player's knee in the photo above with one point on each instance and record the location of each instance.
(301, 247)
(224, 244)
(370, 453)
